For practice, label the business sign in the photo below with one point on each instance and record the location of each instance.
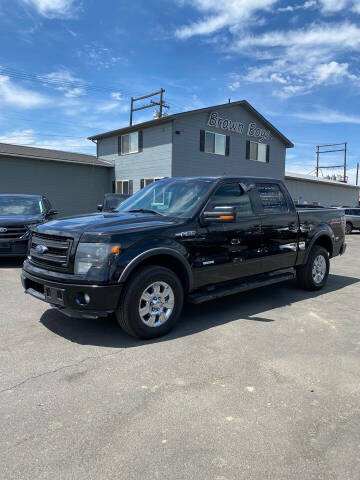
(260, 133)
(215, 120)
(224, 123)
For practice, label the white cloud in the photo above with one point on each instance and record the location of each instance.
(331, 6)
(302, 6)
(64, 81)
(300, 60)
(13, 94)
(29, 137)
(54, 8)
(226, 14)
(327, 116)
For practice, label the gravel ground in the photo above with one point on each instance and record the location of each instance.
(262, 385)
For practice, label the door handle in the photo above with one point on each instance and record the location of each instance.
(235, 241)
(257, 229)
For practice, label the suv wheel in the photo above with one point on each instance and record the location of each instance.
(348, 228)
(313, 275)
(151, 302)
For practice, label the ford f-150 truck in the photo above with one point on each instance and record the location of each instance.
(197, 238)
(17, 214)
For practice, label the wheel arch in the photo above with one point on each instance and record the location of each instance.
(164, 257)
(323, 239)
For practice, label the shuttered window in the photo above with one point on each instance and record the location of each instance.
(216, 143)
(125, 187)
(259, 152)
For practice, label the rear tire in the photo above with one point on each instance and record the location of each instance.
(313, 275)
(151, 302)
(348, 228)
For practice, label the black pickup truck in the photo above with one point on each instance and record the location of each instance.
(197, 238)
(17, 214)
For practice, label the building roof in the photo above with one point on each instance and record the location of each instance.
(18, 151)
(168, 118)
(312, 178)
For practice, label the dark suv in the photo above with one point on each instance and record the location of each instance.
(17, 214)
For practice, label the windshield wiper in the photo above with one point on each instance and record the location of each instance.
(146, 210)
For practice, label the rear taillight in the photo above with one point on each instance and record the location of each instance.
(343, 224)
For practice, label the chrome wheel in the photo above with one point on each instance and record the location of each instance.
(156, 304)
(319, 269)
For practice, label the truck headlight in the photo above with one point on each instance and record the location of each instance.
(93, 255)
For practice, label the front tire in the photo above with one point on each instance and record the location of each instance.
(151, 302)
(313, 275)
(348, 228)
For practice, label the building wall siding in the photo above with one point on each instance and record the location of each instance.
(189, 160)
(153, 162)
(71, 188)
(326, 194)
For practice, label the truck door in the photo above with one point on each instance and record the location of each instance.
(236, 246)
(279, 223)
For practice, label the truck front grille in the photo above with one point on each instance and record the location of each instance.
(12, 232)
(51, 252)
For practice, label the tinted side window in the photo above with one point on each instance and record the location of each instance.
(232, 196)
(356, 212)
(272, 198)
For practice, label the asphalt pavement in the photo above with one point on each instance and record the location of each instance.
(262, 385)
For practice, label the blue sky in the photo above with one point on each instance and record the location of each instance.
(69, 67)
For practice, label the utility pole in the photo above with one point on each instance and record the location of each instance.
(345, 158)
(319, 151)
(357, 174)
(161, 104)
(317, 159)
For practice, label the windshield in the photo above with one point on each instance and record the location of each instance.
(172, 197)
(20, 206)
(113, 201)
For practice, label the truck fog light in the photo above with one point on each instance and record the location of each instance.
(83, 298)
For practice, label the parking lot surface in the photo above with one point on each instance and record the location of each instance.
(262, 385)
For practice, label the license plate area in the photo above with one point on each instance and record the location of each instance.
(54, 295)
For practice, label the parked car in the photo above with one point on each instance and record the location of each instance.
(352, 217)
(17, 214)
(112, 201)
(197, 238)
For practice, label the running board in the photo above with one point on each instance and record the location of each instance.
(211, 293)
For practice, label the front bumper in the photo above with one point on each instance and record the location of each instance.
(343, 248)
(74, 300)
(13, 248)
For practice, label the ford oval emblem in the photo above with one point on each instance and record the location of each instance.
(3, 230)
(41, 249)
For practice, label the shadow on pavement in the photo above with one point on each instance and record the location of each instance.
(11, 262)
(248, 306)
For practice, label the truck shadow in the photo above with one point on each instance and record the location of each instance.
(11, 262)
(248, 306)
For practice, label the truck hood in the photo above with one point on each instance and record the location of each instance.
(98, 223)
(9, 220)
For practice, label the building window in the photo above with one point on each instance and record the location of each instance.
(272, 198)
(259, 152)
(125, 187)
(130, 143)
(214, 143)
(144, 182)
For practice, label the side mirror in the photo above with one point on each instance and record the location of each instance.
(100, 208)
(221, 214)
(52, 212)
